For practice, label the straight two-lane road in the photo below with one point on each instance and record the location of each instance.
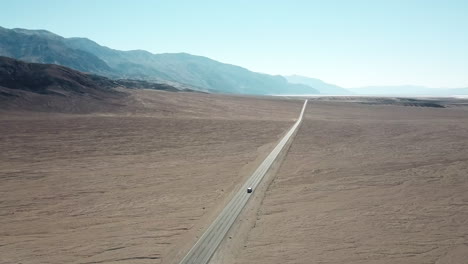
(205, 247)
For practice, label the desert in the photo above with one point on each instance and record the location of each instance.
(128, 187)
(364, 180)
(232, 132)
(368, 183)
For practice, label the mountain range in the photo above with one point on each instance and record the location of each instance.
(178, 69)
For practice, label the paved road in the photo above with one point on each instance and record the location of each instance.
(202, 251)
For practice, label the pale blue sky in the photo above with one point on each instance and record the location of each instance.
(349, 43)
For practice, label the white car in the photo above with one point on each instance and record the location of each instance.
(249, 190)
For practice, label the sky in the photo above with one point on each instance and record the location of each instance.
(350, 43)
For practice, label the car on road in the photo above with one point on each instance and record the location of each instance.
(249, 190)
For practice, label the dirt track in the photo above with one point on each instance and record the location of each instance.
(368, 184)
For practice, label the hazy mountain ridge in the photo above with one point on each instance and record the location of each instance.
(408, 90)
(44, 47)
(198, 72)
(323, 87)
(382, 90)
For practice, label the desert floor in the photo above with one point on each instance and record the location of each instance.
(368, 183)
(134, 184)
(365, 180)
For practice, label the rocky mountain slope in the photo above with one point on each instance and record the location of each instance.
(54, 79)
(44, 87)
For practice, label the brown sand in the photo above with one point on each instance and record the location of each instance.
(135, 184)
(368, 184)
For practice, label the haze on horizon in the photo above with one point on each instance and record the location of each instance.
(348, 43)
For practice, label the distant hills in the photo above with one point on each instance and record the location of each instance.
(39, 78)
(401, 90)
(323, 87)
(178, 69)
(16, 76)
(41, 87)
(408, 90)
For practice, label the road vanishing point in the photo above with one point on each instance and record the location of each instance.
(206, 246)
